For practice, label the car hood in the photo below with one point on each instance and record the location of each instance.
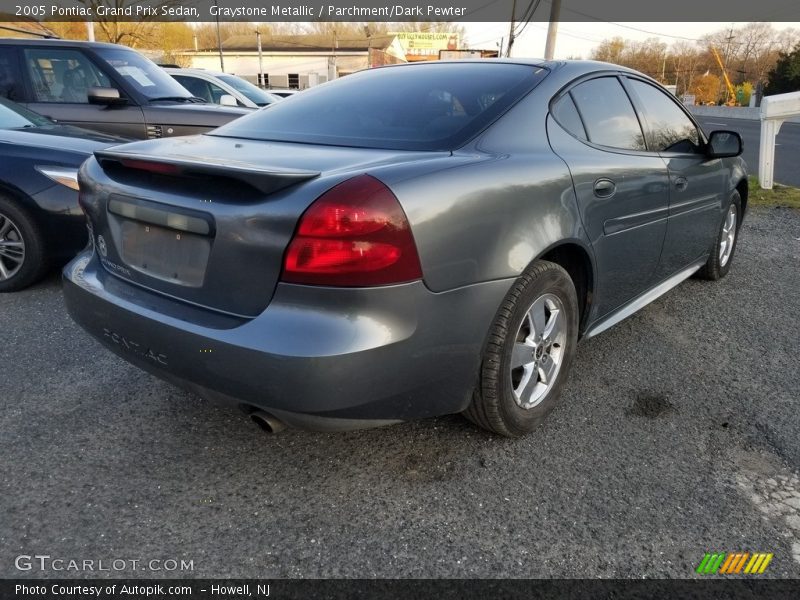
(60, 137)
(207, 115)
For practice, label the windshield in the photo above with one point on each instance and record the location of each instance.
(143, 75)
(411, 107)
(14, 116)
(257, 95)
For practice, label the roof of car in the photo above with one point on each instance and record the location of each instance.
(573, 68)
(57, 43)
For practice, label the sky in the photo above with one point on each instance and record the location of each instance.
(578, 39)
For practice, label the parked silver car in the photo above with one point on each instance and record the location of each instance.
(222, 88)
(405, 242)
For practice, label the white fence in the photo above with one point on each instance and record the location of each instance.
(774, 111)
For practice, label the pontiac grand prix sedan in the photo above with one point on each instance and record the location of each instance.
(404, 242)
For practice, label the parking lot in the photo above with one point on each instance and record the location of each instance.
(677, 435)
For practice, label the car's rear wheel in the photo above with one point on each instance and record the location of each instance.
(528, 353)
(22, 256)
(721, 256)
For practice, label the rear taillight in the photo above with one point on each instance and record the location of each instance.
(355, 234)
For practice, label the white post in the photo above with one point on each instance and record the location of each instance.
(766, 152)
(90, 31)
(260, 61)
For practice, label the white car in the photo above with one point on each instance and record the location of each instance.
(222, 88)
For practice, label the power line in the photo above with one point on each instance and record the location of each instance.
(528, 16)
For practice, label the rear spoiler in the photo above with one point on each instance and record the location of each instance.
(265, 179)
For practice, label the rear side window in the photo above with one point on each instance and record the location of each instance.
(567, 116)
(608, 114)
(669, 129)
(10, 80)
(410, 107)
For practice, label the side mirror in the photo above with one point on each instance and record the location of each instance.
(102, 95)
(228, 100)
(724, 144)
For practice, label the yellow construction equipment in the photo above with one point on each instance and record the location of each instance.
(731, 91)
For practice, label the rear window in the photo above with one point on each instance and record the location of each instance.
(419, 107)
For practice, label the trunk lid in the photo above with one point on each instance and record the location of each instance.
(206, 219)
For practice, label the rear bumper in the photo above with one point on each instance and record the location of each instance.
(322, 358)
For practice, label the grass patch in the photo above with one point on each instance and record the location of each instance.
(779, 195)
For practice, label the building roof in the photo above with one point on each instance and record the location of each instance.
(305, 43)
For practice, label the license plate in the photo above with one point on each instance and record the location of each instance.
(173, 256)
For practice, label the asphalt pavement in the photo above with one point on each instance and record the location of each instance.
(676, 436)
(787, 145)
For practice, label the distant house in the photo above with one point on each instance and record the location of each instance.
(298, 61)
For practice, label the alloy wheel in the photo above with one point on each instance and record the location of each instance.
(12, 248)
(728, 236)
(538, 351)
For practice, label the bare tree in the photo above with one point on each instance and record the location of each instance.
(121, 29)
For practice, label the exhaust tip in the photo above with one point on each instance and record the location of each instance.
(267, 422)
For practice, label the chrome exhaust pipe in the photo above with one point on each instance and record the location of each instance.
(267, 422)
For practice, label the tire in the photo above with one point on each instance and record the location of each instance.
(23, 260)
(500, 402)
(720, 258)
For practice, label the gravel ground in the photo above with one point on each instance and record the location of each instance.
(677, 435)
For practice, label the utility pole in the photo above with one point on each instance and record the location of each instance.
(335, 46)
(511, 29)
(724, 63)
(728, 46)
(260, 60)
(552, 30)
(219, 42)
(90, 31)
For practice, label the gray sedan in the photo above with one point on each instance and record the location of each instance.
(404, 242)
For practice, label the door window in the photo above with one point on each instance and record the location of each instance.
(608, 114)
(62, 75)
(10, 86)
(196, 86)
(669, 129)
(216, 93)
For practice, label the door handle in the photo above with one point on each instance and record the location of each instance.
(604, 188)
(681, 183)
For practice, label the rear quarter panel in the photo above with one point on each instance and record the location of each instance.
(494, 206)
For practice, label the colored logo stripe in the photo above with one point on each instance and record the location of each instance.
(729, 563)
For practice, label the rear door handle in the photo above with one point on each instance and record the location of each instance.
(604, 188)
